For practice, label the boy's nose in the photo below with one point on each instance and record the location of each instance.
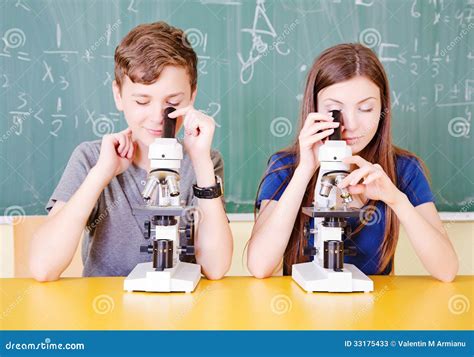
(157, 115)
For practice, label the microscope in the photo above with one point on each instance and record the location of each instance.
(328, 272)
(170, 241)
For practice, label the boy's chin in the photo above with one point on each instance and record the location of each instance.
(145, 140)
(148, 138)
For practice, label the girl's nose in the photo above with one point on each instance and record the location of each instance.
(348, 122)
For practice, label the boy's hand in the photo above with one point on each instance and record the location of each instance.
(116, 154)
(198, 132)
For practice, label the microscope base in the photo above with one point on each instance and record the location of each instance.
(182, 278)
(312, 277)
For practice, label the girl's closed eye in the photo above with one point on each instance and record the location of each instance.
(366, 110)
(173, 104)
(141, 103)
(329, 108)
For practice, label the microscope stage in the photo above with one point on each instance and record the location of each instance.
(312, 277)
(327, 212)
(184, 277)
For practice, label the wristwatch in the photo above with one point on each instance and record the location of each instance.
(209, 192)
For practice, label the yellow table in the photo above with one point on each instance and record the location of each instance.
(237, 303)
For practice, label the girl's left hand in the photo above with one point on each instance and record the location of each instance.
(198, 132)
(376, 185)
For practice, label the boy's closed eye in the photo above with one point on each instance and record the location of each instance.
(146, 103)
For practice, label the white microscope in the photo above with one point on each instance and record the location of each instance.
(327, 272)
(166, 272)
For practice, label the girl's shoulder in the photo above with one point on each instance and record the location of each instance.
(408, 165)
(412, 179)
(281, 159)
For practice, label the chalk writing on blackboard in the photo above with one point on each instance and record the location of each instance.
(259, 46)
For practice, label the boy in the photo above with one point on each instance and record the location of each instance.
(155, 68)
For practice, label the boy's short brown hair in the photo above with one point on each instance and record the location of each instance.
(148, 48)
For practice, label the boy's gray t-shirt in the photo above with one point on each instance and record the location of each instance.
(111, 245)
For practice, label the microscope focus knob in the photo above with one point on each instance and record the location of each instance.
(188, 250)
(146, 249)
(147, 233)
(309, 251)
(306, 230)
(350, 251)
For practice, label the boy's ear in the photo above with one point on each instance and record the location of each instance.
(117, 96)
(193, 96)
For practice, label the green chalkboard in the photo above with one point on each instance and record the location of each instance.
(56, 67)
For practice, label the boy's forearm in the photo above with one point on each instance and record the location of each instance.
(56, 241)
(214, 244)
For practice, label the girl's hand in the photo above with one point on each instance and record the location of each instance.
(198, 132)
(317, 126)
(375, 185)
(116, 154)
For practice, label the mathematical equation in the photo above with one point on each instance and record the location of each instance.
(260, 36)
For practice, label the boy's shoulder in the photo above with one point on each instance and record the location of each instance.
(89, 147)
(87, 152)
(216, 156)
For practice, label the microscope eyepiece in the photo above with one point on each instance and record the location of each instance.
(169, 124)
(337, 115)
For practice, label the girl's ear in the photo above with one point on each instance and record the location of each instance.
(117, 96)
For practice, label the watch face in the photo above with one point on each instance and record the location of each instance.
(209, 192)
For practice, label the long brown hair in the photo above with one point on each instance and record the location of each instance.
(337, 64)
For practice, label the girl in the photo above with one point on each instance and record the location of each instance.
(388, 179)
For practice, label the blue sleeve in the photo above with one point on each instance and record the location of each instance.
(276, 179)
(413, 182)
